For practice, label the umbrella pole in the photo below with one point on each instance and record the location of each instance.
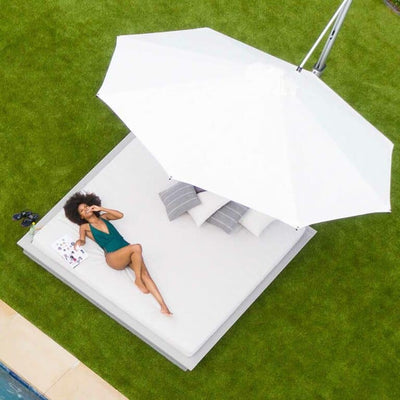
(320, 65)
(337, 19)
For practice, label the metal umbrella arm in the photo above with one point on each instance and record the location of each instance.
(337, 21)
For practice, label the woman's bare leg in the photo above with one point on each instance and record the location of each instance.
(153, 289)
(129, 256)
(136, 264)
(132, 256)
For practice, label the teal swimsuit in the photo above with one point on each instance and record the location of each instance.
(111, 241)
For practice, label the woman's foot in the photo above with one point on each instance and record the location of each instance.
(165, 310)
(139, 283)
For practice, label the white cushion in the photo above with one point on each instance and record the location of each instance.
(255, 222)
(210, 203)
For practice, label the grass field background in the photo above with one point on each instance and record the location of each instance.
(329, 326)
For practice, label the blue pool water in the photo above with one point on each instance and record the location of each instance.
(12, 387)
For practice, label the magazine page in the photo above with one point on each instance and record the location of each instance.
(65, 248)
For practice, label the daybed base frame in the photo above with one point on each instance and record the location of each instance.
(62, 273)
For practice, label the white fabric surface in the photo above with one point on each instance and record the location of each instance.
(247, 126)
(210, 203)
(255, 222)
(203, 273)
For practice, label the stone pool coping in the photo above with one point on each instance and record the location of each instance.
(45, 365)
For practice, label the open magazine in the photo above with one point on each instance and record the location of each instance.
(65, 248)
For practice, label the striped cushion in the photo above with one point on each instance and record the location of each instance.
(178, 199)
(227, 217)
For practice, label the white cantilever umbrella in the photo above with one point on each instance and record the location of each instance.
(241, 123)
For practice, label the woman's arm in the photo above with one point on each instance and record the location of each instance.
(82, 236)
(108, 213)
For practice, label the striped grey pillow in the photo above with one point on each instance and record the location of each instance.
(178, 199)
(228, 216)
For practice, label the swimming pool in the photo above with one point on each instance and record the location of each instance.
(13, 387)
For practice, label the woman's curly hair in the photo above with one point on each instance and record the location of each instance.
(72, 204)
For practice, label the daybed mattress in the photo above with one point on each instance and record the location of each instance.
(203, 273)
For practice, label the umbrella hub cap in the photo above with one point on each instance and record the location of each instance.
(274, 80)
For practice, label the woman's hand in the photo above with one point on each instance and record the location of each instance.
(79, 242)
(95, 208)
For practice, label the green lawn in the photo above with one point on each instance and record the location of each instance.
(328, 327)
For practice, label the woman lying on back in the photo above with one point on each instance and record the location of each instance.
(85, 210)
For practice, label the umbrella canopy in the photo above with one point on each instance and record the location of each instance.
(229, 118)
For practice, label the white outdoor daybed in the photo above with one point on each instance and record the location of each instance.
(207, 277)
